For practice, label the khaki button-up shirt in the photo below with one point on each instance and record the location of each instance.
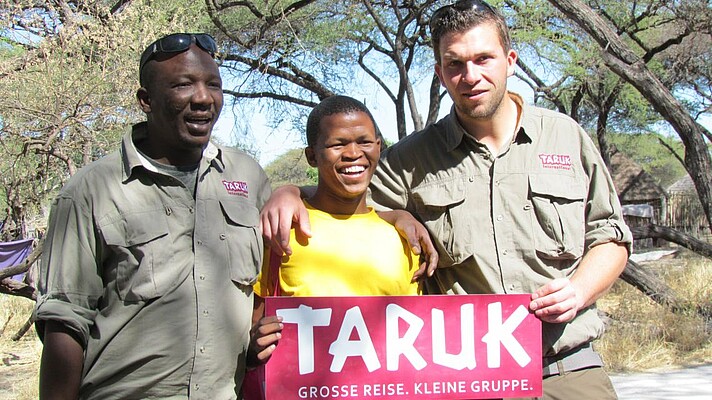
(156, 283)
(507, 223)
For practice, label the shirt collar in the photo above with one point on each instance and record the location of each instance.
(527, 125)
(454, 131)
(132, 158)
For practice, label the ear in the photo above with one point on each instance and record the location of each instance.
(144, 100)
(439, 73)
(311, 157)
(511, 62)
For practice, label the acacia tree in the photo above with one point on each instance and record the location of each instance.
(563, 66)
(295, 53)
(629, 60)
(647, 46)
(68, 72)
(292, 168)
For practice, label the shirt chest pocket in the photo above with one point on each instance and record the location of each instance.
(558, 219)
(440, 208)
(243, 240)
(141, 246)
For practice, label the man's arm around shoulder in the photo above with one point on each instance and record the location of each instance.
(283, 208)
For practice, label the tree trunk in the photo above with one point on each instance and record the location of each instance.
(642, 279)
(17, 288)
(671, 235)
(24, 328)
(602, 138)
(618, 56)
(435, 96)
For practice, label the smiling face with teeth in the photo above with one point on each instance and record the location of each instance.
(346, 153)
(182, 100)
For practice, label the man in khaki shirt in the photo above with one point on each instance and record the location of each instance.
(151, 252)
(516, 199)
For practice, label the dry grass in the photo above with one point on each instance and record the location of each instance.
(20, 359)
(644, 335)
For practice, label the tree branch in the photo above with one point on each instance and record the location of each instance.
(375, 76)
(644, 280)
(270, 95)
(664, 46)
(298, 77)
(672, 151)
(672, 235)
(24, 266)
(542, 86)
(15, 288)
(626, 64)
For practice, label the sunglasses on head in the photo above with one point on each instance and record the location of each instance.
(463, 5)
(177, 43)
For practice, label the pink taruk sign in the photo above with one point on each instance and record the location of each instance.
(405, 347)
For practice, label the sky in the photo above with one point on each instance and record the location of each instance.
(272, 143)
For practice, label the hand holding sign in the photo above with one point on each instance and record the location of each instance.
(264, 338)
(556, 302)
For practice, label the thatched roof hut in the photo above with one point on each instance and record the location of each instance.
(637, 187)
(684, 208)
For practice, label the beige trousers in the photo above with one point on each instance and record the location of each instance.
(586, 384)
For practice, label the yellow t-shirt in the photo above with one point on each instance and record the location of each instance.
(347, 255)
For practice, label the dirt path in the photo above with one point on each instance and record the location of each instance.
(18, 369)
(693, 383)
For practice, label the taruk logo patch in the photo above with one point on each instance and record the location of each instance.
(238, 188)
(555, 161)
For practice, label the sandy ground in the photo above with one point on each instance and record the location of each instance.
(693, 383)
(19, 364)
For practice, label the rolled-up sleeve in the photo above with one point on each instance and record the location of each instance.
(70, 282)
(604, 217)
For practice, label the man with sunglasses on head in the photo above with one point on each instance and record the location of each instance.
(151, 252)
(516, 198)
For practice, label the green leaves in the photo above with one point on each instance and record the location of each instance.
(68, 76)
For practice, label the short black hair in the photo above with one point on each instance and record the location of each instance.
(335, 105)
